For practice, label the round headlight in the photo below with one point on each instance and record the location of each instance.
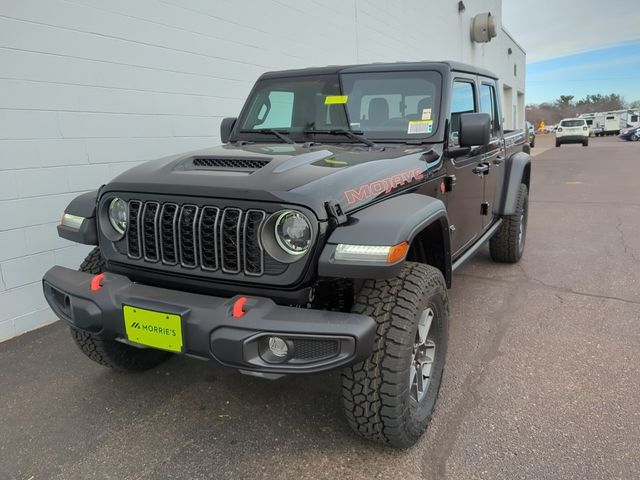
(293, 232)
(118, 215)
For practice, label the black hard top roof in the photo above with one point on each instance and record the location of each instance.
(382, 67)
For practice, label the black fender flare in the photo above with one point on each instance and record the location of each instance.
(83, 205)
(390, 222)
(517, 171)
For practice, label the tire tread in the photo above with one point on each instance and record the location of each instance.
(373, 391)
(503, 245)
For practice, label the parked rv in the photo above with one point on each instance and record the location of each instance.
(611, 123)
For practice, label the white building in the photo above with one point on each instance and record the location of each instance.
(89, 88)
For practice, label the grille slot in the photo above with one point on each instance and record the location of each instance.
(188, 234)
(253, 252)
(168, 218)
(133, 233)
(208, 243)
(230, 239)
(232, 163)
(208, 237)
(150, 231)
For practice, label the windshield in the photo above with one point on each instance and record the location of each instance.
(391, 106)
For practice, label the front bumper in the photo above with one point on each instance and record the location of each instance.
(319, 340)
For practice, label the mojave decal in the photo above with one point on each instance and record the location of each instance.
(383, 185)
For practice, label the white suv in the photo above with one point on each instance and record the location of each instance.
(572, 130)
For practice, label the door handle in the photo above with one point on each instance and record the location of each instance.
(481, 169)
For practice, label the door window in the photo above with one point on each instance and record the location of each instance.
(463, 100)
(489, 105)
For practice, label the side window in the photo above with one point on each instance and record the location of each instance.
(489, 105)
(463, 100)
(279, 112)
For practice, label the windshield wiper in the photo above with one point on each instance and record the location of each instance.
(357, 136)
(281, 134)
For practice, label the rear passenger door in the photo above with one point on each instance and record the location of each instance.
(465, 198)
(495, 151)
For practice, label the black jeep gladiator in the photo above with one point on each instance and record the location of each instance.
(322, 235)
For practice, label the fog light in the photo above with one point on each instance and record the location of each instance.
(278, 347)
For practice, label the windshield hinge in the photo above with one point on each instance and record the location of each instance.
(336, 215)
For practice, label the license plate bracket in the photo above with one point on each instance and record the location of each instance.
(152, 328)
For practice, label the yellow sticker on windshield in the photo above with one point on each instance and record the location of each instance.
(335, 99)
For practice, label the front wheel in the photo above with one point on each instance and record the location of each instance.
(557, 144)
(585, 143)
(390, 397)
(635, 138)
(507, 244)
(107, 352)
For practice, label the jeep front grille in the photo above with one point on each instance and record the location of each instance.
(196, 237)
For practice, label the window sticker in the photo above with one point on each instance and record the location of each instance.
(420, 126)
(426, 114)
(335, 99)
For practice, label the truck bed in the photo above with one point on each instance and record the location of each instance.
(514, 141)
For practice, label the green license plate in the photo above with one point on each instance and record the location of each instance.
(153, 329)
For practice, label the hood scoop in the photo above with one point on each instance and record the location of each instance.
(226, 163)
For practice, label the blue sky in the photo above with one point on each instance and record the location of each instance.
(608, 70)
(577, 48)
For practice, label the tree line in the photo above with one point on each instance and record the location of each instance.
(566, 107)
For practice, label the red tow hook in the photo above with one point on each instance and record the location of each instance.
(238, 307)
(96, 282)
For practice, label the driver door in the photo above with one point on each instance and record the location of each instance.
(465, 199)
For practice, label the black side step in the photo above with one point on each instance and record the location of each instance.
(479, 243)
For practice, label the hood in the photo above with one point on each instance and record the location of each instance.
(348, 175)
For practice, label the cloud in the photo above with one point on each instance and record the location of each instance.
(549, 29)
(587, 66)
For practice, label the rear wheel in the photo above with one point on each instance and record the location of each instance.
(634, 138)
(507, 244)
(390, 397)
(111, 353)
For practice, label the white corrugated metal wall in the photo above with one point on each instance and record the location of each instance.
(89, 88)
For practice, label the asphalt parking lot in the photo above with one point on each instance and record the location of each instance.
(542, 379)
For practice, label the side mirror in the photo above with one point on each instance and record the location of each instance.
(475, 129)
(225, 128)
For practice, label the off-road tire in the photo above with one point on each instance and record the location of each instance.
(376, 392)
(93, 263)
(506, 246)
(111, 353)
